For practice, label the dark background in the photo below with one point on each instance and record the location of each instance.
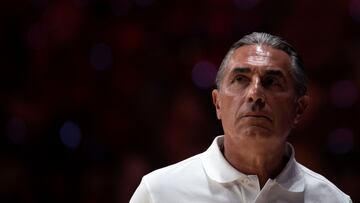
(95, 94)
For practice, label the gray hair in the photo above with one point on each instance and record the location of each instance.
(275, 42)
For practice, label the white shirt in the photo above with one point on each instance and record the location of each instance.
(208, 177)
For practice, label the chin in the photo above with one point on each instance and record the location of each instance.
(257, 131)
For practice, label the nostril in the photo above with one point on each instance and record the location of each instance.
(260, 101)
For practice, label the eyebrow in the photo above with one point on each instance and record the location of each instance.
(241, 70)
(275, 73)
(267, 72)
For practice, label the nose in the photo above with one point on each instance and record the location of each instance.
(256, 94)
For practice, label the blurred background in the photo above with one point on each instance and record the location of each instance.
(96, 93)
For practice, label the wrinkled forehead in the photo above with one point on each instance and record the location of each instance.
(260, 57)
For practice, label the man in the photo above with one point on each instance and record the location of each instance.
(261, 95)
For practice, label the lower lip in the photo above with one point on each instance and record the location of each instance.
(257, 117)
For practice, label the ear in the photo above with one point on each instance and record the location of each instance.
(301, 105)
(216, 102)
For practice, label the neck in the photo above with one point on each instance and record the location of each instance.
(253, 157)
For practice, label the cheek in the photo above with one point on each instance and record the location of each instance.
(228, 108)
(231, 104)
(285, 110)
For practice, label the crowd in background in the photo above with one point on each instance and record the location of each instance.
(94, 94)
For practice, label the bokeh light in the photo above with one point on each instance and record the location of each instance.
(16, 130)
(203, 74)
(70, 135)
(344, 94)
(169, 52)
(340, 141)
(101, 56)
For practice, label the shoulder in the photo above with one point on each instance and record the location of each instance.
(180, 171)
(178, 180)
(314, 179)
(318, 186)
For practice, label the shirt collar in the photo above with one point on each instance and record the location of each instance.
(291, 177)
(216, 166)
(220, 170)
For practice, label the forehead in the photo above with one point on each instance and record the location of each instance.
(260, 57)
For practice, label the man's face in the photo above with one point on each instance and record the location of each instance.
(257, 97)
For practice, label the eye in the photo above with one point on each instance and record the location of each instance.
(240, 78)
(270, 81)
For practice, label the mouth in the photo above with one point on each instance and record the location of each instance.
(257, 116)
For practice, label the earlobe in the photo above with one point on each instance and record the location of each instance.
(301, 105)
(216, 102)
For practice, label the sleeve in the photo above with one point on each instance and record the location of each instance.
(142, 193)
